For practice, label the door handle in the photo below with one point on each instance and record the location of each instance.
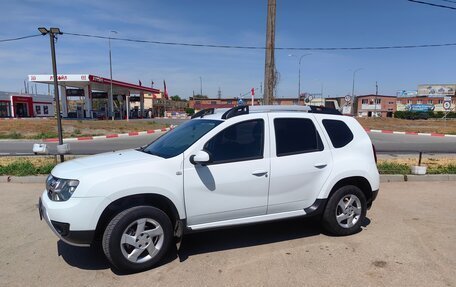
(320, 165)
(260, 173)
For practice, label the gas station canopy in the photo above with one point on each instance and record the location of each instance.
(96, 83)
(92, 107)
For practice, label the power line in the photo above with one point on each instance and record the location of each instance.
(449, 1)
(245, 47)
(432, 4)
(262, 47)
(19, 38)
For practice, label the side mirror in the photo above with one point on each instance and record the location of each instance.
(201, 157)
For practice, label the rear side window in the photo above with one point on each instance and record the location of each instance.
(339, 133)
(294, 136)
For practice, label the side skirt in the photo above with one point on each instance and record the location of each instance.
(315, 209)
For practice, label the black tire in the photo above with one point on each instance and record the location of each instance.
(127, 222)
(333, 211)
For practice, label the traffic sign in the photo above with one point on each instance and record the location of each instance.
(348, 98)
(446, 105)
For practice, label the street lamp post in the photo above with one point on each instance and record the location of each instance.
(353, 88)
(52, 32)
(299, 72)
(111, 102)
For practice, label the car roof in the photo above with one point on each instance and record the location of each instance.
(225, 113)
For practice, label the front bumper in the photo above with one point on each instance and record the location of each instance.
(62, 229)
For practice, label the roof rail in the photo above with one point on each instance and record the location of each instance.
(236, 111)
(323, 110)
(202, 113)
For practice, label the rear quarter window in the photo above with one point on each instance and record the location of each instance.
(339, 133)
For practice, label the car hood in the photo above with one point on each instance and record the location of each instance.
(77, 168)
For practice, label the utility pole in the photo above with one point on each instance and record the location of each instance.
(52, 32)
(375, 101)
(201, 86)
(111, 98)
(269, 67)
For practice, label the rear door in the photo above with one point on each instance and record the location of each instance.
(300, 161)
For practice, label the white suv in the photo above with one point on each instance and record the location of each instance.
(222, 168)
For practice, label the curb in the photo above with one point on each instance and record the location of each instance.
(110, 136)
(383, 178)
(23, 179)
(409, 133)
(417, 178)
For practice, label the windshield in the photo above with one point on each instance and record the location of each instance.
(179, 139)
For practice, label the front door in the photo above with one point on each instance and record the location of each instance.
(235, 184)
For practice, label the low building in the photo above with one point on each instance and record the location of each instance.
(376, 106)
(16, 105)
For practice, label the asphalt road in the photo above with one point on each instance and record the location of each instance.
(384, 143)
(407, 240)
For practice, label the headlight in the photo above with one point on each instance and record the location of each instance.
(59, 189)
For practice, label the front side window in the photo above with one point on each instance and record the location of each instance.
(294, 136)
(239, 142)
(178, 140)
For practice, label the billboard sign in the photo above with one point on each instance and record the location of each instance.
(60, 78)
(75, 92)
(420, 108)
(436, 90)
(406, 94)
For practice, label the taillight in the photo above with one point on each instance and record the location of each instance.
(375, 153)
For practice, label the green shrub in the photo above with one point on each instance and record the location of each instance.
(190, 111)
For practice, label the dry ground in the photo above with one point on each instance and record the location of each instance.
(421, 126)
(47, 128)
(407, 240)
(429, 161)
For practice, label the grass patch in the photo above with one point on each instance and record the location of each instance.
(24, 167)
(442, 169)
(46, 135)
(393, 168)
(13, 135)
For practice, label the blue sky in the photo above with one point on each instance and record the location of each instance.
(309, 23)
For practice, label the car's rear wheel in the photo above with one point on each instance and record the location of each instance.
(137, 238)
(345, 211)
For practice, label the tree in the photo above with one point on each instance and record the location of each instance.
(190, 111)
(175, 98)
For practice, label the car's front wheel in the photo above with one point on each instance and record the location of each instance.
(345, 211)
(137, 238)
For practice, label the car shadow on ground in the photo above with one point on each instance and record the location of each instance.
(206, 242)
(251, 235)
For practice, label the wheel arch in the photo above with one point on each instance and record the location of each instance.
(156, 200)
(361, 182)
